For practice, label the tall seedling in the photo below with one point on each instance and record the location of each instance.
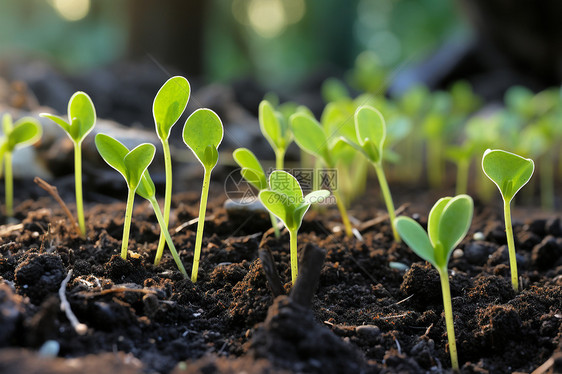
(168, 106)
(447, 224)
(81, 121)
(285, 200)
(24, 132)
(509, 172)
(203, 134)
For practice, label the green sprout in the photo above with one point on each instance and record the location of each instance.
(447, 224)
(311, 137)
(203, 134)
(285, 200)
(24, 132)
(168, 106)
(81, 121)
(253, 173)
(133, 166)
(276, 130)
(371, 134)
(510, 172)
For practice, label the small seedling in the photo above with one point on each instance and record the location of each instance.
(168, 106)
(130, 164)
(24, 132)
(312, 138)
(371, 134)
(285, 200)
(276, 130)
(81, 121)
(253, 173)
(203, 134)
(510, 172)
(447, 224)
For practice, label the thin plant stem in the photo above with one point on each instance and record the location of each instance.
(200, 225)
(9, 184)
(78, 187)
(462, 176)
(294, 255)
(445, 289)
(279, 159)
(167, 200)
(511, 246)
(343, 213)
(387, 199)
(167, 236)
(127, 224)
(274, 225)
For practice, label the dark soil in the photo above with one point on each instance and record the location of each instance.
(367, 314)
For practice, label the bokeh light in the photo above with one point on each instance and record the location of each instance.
(72, 10)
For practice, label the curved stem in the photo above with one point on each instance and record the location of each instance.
(167, 236)
(447, 305)
(511, 246)
(167, 201)
(9, 184)
(127, 224)
(78, 187)
(294, 255)
(387, 199)
(343, 213)
(200, 225)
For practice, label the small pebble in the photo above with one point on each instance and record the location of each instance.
(49, 349)
(458, 253)
(478, 236)
(368, 330)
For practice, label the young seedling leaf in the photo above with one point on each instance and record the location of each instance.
(169, 104)
(416, 238)
(433, 219)
(146, 188)
(509, 172)
(454, 223)
(203, 133)
(137, 161)
(285, 184)
(270, 125)
(277, 203)
(370, 125)
(25, 131)
(316, 197)
(113, 152)
(252, 170)
(309, 135)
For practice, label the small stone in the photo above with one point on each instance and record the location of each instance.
(458, 253)
(368, 331)
(477, 253)
(478, 236)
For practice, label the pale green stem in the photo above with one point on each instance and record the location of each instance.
(294, 255)
(547, 182)
(387, 199)
(200, 224)
(462, 176)
(9, 183)
(167, 236)
(127, 224)
(274, 225)
(511, 246)
(279, 159)
(78, 187)
(167, 201)
(447, 305)
(343, 213)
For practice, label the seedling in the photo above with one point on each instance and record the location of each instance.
(371, 134)
(81, 121)
(168, 106)
(276, 130)
(311, 137)
(284, 199)
(203, 134)
(447, 225)
(133, 166)
(253, 173)
(510, 172)
(24, 132)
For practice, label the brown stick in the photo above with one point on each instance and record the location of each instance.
(310, 266)
(270, 271)
(52, 190)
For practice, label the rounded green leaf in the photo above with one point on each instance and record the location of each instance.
(309, 135)
(26, 131)
(316, 197)
(146, 188)
(251, 167)
(415, 237)
(82, 116)
(284, 183)
(113, 152)
(510, 172)
(369, 124)
(434, 218)
(277, 204)
(270, 126)
(169, 104)
(204, 129)
(137, 161)
(454, 223)
(59, 121)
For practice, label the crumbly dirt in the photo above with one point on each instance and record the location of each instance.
(377, 308)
